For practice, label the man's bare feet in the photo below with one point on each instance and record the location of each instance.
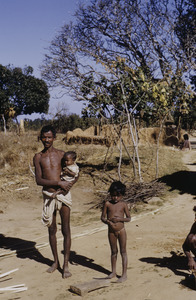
(66, 273)
(53, 268)
(122, 279)
(112, 275)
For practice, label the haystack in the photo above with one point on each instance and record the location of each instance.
(108, 136)
(78, 132)
(150, 135)
(78, 136)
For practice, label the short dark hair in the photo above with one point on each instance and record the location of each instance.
(118, 187)
(72, 154)
(186, 137)
(47, 128)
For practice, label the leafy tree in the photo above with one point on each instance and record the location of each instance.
(21, 93)
(185, 30)
(62, 123)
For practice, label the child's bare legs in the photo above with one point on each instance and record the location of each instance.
(65, 227)
(53, 244)
(122, 242)
(114, 251)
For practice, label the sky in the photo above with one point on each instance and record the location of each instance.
(26, 29)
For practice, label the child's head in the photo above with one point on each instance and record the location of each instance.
(117, 188)
(69, 158)
(186, 137)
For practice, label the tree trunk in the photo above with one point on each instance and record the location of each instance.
(4, 123)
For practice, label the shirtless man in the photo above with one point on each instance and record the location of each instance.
(48, 169)
(189, 246)
(113, 214)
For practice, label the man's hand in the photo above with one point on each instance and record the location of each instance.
(65, 185)
(191, 264)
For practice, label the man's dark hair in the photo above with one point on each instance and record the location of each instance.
(47, 128)
(117, 187)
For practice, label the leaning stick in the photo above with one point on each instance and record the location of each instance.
(31, 169)
(7, 273)
(14, 288)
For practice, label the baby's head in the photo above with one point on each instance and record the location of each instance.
(117, 188)
(69, 158)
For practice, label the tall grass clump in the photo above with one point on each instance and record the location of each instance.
(17, 152)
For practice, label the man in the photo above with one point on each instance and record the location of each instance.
(47, 172)
(189, 246)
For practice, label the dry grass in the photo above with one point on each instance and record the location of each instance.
(96, 172)
(18, 151)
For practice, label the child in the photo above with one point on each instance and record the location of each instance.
(186, 145)
(189, 245)
(70, 170)
(113, 215)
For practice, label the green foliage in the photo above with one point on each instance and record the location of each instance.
(4, 89)
(62, 123)
(36, 124)
(22, 92)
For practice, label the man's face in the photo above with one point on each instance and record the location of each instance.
(47, 139)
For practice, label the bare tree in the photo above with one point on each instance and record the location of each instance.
(116, 56)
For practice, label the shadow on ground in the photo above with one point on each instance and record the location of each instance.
(23, 249)
(177, 264)
(26, 249)
(78, 259)
(184, 181)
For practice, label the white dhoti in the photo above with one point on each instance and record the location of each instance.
(51, 204)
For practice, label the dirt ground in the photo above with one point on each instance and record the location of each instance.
(156, 268)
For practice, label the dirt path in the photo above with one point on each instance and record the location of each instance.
(154, 273)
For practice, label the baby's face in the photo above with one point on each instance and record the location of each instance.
(68, 160)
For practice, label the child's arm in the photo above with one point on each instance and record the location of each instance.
(127, 213)
(104, 214)
(68, 172)
(58, 192)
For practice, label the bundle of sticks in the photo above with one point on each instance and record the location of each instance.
(138, 192)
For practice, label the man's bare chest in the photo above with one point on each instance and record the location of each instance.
(50, 161)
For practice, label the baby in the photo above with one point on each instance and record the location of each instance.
(70, 170)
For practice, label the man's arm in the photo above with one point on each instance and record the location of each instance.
(187, 251)
(38, 173)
